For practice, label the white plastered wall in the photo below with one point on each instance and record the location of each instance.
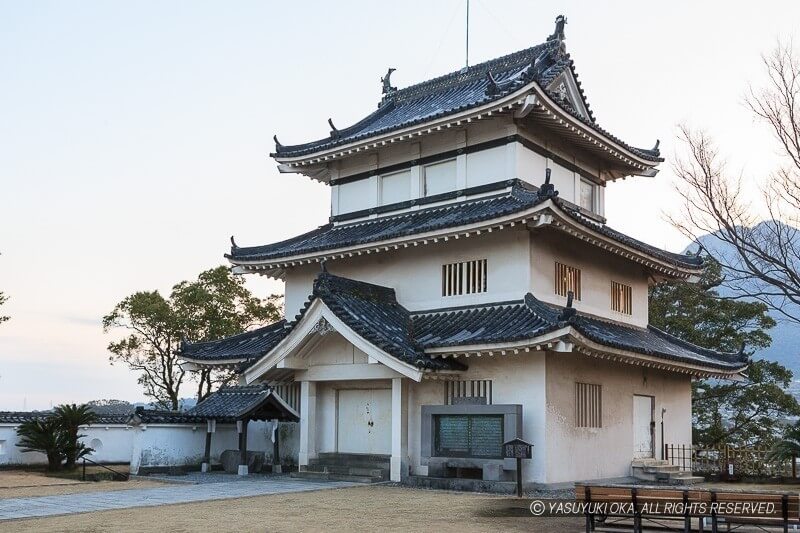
(587, 453)
(113, 443)
(157, 445)
(416, 273)
(516, 379)
(598, 269)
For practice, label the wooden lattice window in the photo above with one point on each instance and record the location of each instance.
(475, 391)
(465, 277)
(621, 298)
(289, 393)
(588, 405)
(568, 279)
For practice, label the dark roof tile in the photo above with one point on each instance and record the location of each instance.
(522, 196)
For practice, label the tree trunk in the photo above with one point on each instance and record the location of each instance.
(53, 462)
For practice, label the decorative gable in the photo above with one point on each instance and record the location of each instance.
(567, 93)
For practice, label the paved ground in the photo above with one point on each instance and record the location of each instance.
(219, 488)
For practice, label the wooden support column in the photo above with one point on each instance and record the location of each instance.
(211, 427)
(276, 450)
(241, 427)
(308, 423)
(399, 460)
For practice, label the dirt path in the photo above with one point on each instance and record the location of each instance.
(18, 484)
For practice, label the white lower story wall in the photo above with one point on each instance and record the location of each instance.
(606, 452)
(544, 384)
(167, 445)
(112, 444)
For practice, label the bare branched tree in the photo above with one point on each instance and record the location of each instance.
(754, 236)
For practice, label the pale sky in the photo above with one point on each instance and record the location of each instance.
(134, 135)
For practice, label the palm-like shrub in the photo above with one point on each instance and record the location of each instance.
(44, 436)
(70, 417)
(788, 447)
(57, 435)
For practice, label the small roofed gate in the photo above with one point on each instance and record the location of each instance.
(241, 405)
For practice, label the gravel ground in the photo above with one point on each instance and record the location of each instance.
(367, 508)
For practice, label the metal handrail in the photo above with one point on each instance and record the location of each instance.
(124, 477)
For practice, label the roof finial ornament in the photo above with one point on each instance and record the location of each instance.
(558, 35)
(655, 149)
(568, 312)
(233, 243)
(278, 145)
(491, 88)
(387, 83)
(334, 131)
(547, 190)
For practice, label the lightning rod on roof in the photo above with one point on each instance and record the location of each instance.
(467, 52)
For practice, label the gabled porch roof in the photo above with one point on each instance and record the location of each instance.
(226, 405)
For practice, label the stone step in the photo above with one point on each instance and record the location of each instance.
(661, 469)
(649, 462)
(352, 470)
(685, 478)
(371, 458)
(352, 460)
(329, 476)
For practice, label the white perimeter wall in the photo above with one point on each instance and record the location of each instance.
(184, 444)
(113, 444)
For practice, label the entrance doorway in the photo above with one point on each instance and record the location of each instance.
(643, 426)
(364, 421)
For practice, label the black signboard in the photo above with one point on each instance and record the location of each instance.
(517, 449)
(468, 436)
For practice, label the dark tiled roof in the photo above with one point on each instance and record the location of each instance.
(373, 312)
(329, 237)
(242, 346)
(522, 196)
(532, 318)
(680, 260)
(235, 403)
(17, 417)
(226, 405)
(478, 325)
(462, 90)
(158, 416)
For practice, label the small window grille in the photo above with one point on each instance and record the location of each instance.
(621, 298)
(466, 277)
(568, 279)
(588, 405)
(475, 390)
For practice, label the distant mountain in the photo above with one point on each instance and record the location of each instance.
(785, 348)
